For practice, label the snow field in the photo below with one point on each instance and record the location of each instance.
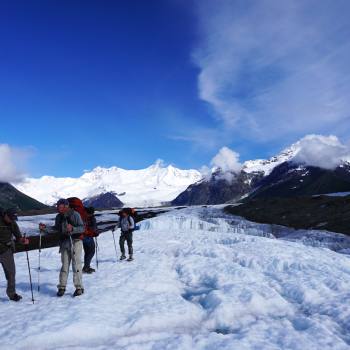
(195, 284)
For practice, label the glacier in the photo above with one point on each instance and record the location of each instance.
(201, 280)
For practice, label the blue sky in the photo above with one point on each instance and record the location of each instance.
(88, 83)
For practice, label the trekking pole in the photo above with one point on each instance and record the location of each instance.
(30, 274)
(96, 244)
(115, 245)
(39, 267)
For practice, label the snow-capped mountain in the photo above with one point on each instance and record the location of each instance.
(312, 150)
(297, 170)
(158, 184)
(219, 189)
(290, 179)
(265, 166)
(222, 187)
(146, 187)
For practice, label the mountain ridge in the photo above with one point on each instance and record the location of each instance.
(11, 197)
(158, 184)
(283, 175)
(151, 186)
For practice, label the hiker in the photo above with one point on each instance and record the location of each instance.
(127, 225)
(8, 229)
(70, 226)
(89, 242)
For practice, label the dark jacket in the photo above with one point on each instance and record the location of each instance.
(62, 220)
(7, 231)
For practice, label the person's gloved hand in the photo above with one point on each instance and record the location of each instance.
(42, 227)
(24, 241)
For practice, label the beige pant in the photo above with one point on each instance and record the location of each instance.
(73, 255)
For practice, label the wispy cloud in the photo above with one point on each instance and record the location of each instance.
(200, 138)
(272, 68)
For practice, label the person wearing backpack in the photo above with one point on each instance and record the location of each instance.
(89, 242)
(127, 225)
(70, 226)
(8, 230)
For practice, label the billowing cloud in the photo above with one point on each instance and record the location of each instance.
(227, 161)
(206, 172)
(11, 163)
(325, 152)
(275, 65)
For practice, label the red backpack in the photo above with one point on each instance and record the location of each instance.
(77, 204)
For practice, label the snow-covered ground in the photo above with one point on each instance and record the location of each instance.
(200, 280)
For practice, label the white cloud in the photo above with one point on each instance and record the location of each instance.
(11, 163)
(206, 172)
(275, 65)
(321, 151)
(228, 162)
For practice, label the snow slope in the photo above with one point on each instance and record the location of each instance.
(198, 282)
(266, 166)
(145, 187)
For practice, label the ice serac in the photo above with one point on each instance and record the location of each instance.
(146, 187)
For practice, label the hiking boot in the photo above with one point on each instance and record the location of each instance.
(123, 257)
(78, 292)
(87, 270)
(91, 270)
(60, 292)
(130, 258)
(16, 297)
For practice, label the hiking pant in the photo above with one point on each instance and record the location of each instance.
(71, 254)
(8, 264)
(126, 236)
(89, 250)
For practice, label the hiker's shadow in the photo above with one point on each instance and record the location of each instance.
(48, 289)
(107, 261)
(43, 269)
